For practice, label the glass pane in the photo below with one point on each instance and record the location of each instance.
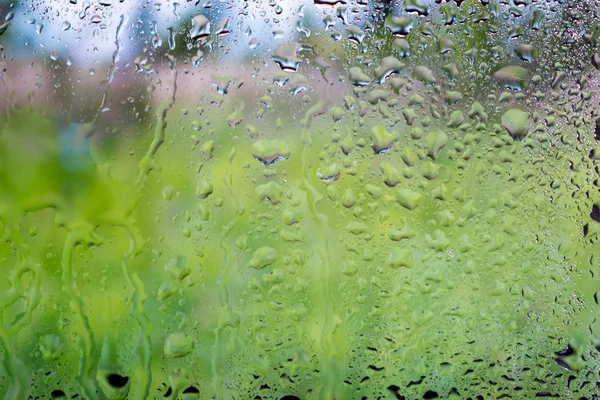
(338, 199)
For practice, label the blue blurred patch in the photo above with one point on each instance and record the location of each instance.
(74, 146)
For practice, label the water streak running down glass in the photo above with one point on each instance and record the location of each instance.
(275, 199)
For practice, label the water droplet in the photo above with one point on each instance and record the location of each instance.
(400, 258)
(51, 346)
(416, 6)
(348, 199)
(287, 55)
(355, 34)
(388, 66)
(270, 151)
(263, 257)
(399, 26)
(178, 345)
(402, 46)
(200, 27)
(329, 173)
(516, 123)
(204, 189)
(526, 52)
(223, 29)
(254, 43)
(329, 3)
(178, 268)
(424, 74)
(382, 140)
(391, 175)
(408, 198)
(358, 77)
(436, 140)
(513, 77)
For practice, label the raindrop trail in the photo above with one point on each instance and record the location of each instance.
(13, 365)
(226, 314)
(86, 336)
(147, 162)
(107, 95)
(237, 204)
(9, 90)
(331, 374)
(137, 312)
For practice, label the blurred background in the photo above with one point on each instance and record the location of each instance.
(276, 199)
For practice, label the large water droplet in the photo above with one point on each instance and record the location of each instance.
(516, 123)
(270, 151)
(513, 77)
(200, 27)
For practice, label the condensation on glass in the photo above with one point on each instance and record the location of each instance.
(299, 200)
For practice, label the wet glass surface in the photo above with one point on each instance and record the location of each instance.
(338, 199)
